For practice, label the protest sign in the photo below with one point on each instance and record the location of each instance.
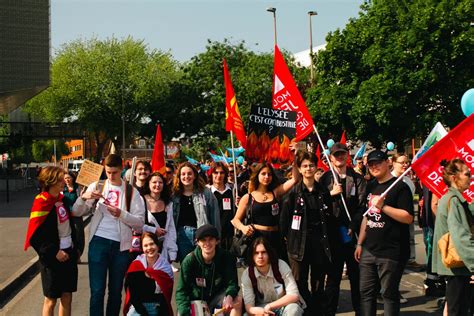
(458, 143)
(89, 172)
(270, 134)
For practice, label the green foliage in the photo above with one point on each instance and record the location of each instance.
(43, 150)
(396, 70)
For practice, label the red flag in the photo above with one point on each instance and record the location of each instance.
(320, 160)
(458, 143)
(158, 156)
(233, 120)
(343, 138)
(286, 96)
(344, 141)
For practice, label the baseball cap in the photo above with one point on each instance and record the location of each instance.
(338, 147)
(206, 230)
(377, 155)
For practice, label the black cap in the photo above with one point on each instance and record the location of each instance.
(377, 155)
(206, 230)
(337, 148)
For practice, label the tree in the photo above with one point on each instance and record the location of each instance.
(99, 83)
(396, 70)
(43, 150)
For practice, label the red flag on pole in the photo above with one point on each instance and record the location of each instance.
(286, 96)
(158, 156)
(320, 160)
(343, 138)
(344, 141)
(233, 120)
(458, 143)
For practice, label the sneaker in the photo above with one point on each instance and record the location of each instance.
(175, 269)
(403, 300)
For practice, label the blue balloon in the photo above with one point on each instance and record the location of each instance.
(326, 151)
(467, 102)
(390, 146)
(330, 143)
(240, 160)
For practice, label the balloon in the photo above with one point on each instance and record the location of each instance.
(326, 151)
(240, 160)
(330, 143)
(390, 146)
(467, 102)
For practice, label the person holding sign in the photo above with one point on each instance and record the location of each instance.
(455, 216)
(50, 232)
(309, 226)
(383, 247)
(118, 209)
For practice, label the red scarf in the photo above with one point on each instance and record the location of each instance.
(42, 205)
(162, 278)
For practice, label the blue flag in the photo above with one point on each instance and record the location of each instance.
(192, 161)
(359, 154)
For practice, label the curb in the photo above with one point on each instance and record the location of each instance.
(23, 276)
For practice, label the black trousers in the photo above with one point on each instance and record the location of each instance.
(459, 295)
(334, 277)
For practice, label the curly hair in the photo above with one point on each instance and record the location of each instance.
(253, 185)
(199, 183)
(49, 176)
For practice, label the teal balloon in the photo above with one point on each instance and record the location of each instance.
(467, 102)
(390, 146)
(240, 160)
(326, 151)
(330, 143)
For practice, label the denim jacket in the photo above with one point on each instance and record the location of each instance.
(295, 205)
(206, 208)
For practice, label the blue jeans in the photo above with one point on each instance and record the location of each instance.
(150, 309)
(387, 273)
(185, 236)
(105, 257)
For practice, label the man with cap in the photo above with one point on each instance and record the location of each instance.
(208, 274)
(351, 186)
(383, 247)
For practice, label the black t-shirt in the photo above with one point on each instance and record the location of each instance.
(187, 215)
(386, 237)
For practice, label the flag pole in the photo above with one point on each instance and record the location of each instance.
(236, 191)
(332, 171)
(389, 188)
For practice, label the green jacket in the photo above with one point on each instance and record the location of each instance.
(457, 224)
(220, 276)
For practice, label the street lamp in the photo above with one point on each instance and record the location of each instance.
(310, 14)
(273, 10)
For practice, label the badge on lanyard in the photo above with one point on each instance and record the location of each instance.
(62, 212)
(226, 206)
(201, 282)
(275, 209)
(295, 224)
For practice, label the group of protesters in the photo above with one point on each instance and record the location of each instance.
(294, 231)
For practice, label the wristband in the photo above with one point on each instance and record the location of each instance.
(359, 245)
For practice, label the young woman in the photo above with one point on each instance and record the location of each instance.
(71, 193)
(160, 215)
(266, 293)
(51, 235)
(149, 281)
(193, 206)
(224, 194)
(142, 172)
(455, 216)
(261, 203)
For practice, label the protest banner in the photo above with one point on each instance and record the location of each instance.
(458, 143)
(89, 172)
(270, 134)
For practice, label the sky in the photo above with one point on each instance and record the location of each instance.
(183, 27)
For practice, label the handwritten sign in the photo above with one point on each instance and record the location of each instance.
(89, 172)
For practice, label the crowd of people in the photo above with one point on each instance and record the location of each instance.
(295, 231)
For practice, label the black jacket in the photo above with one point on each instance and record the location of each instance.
(355, 202)
(295, 204)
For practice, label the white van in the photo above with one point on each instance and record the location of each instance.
(74, 165)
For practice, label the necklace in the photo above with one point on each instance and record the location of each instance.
(265, 197)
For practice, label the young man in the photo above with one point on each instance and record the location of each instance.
(308, 226)
(351, 187)
(142, 172)
(208, 274)
(169, 174)
(383, 246)
(119, 209)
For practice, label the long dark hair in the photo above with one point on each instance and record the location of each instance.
(165, 194)
(224, 168)
(253, 185)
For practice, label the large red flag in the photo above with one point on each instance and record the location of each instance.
(233, 120)
(458, 143)
(286, 96)
(158, 156)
